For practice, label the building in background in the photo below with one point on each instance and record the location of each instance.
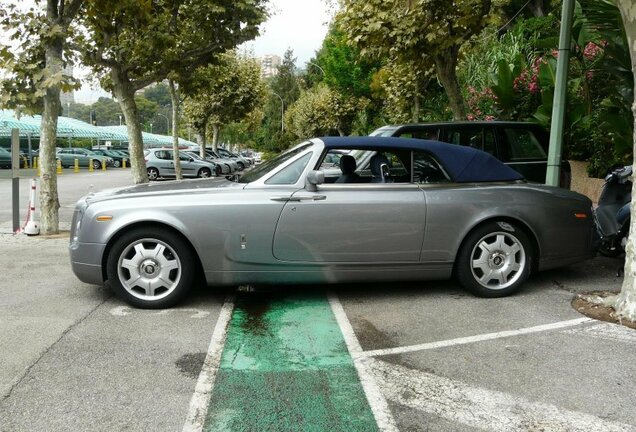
(67, 98)
(269, 65)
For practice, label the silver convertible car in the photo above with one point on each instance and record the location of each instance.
(333, 210)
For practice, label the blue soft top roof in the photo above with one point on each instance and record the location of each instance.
(463, 164)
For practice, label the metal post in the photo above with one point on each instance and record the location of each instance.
(30, 150)
(560, 93)
(15, 177)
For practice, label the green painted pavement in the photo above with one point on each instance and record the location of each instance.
(285, 367)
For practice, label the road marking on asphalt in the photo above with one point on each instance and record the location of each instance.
(379, 406)
(285, 366)
(125, 311)
(203, 390)
(614, 332)
(471, 339)
(478, 407)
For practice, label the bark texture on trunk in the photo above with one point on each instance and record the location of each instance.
(215, 136)
(446, 68)
(202, 139)
(625, 302)
(125, 94)
(536, 7)
(49, 201)
(174, 97)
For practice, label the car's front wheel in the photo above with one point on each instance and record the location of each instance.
(204, 173)
(117, 163)
(96, 164)
(150, 268)
(153, 173)
(494, 260)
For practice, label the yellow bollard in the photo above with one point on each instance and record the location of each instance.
(35, 162)
(103, 165)
(76, 167)
(59, 166)
(90, 165)
(123, 163)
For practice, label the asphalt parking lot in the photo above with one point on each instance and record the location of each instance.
(407, 357)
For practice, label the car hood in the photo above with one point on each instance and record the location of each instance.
(163, 188)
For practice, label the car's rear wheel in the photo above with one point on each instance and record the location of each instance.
(218, 171)
(153, 173)
(205, 173)
(494, 260)
(150, 268)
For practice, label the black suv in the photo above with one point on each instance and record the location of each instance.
(522, 146)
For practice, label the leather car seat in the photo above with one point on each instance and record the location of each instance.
(376, 169)
(348, 168)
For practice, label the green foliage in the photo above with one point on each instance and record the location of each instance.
(158, 93)
(25, 81)
(223, 93)
(323, 111)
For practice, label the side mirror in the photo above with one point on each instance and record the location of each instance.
(314, 178)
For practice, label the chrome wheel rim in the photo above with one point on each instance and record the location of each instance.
(498, 260)
(149, 269)
(204, 173)
(153, 174)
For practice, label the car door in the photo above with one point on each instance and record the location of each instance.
(188, 166)
(355, 223)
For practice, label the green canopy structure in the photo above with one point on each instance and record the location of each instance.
(70, 128)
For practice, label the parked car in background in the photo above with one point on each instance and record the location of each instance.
(424, 210)
(84, 157)
(225, 168)
(231, 163)
(160, 163)
(521, 146)
(5, 159)
(240, 161)
(118, 159)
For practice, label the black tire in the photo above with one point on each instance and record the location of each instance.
(96, 164)
(165, 297)
(476, 268)
(218, 171)
(153, 173)
(116, 163)
(241, 166)
(204, 173)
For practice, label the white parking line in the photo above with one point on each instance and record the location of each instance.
(478, 407)
(606, 331)
(203, 390)
(379, 407)
(472, 339)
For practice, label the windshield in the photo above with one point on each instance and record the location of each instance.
(385, 131)
(194, 155)
(264, 168)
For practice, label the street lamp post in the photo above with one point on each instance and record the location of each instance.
(120, 117)
(314, 64)
(167, 120)
(150, 127)
(282, 112)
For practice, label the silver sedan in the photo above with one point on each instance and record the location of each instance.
(333, 210)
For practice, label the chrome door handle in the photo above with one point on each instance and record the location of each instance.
(308, 197)
(298, 198)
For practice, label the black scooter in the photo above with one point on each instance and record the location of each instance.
(612, 214)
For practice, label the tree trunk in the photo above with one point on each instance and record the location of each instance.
(445, 66)
(202, 139)
(215, 136)
(625, 302)
(49, 201)
(125, 95)
(174, 97)
(536, 7)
